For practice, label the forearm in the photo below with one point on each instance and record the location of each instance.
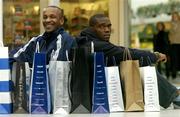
(145, 57)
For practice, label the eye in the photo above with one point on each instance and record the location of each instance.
(44, 17)
(109, 26)
(52, 16)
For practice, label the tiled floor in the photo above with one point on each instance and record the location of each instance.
(162, 113)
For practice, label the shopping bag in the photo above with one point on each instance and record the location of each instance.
(5, 82)
(19, 80)
(81, 81)
(100, 96)
(39, 101)
(115, 96)
(28, 76)
(132, 86)
(151, 95)
(59, 76)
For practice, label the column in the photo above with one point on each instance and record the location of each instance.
(1, 20)
(119, 16)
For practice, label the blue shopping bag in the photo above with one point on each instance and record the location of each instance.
(5, 82)
(39, 101)
(100, 97)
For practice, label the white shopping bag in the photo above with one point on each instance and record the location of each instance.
(151, 95)
(5, 81)
(114, 89)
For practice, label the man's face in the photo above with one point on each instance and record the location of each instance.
(103, 28)
(52, 19)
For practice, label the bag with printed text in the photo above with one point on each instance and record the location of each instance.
(151, 94)
(39, 100)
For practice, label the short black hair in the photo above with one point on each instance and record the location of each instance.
(60, 9)
(93, 19)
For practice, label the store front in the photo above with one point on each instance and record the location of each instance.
(20, 21)
(77, 16)
(21, 18)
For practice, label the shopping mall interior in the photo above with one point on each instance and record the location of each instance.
(133, 25)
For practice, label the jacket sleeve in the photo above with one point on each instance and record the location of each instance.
(24, 53)
(117, 51)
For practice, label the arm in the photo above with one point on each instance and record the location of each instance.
(24, 53)
(112, 50)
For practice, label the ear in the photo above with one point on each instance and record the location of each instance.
(61, 21)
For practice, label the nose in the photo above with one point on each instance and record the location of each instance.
(107, 29)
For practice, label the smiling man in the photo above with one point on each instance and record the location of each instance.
(53, 39)
(53, 18)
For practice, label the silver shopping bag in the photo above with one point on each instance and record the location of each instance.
(115, 96)
(151, 95)
(5, 82)
(59, 74)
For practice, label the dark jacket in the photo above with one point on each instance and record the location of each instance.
(87, 36)
(47, 43)
(161, 42)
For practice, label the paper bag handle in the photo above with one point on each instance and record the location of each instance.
(92, 47)
(55, 53)
(126, 54)
(69, 84)
(148, 60)
(113, 59)
(67, 55)
(1, 44)
(37, 47)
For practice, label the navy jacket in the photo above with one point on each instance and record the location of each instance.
(87, 36)
(47, 43)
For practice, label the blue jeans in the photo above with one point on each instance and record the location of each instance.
(167, 92)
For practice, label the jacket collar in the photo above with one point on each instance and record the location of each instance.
(90, 33)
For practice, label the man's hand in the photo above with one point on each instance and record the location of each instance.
(160, 57)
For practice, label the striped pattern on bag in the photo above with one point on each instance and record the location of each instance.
(5, 83)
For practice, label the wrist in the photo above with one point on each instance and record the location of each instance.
(157, 55)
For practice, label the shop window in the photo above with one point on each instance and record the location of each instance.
(20, 21)
(77, 13)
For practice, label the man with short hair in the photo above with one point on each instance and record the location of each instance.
(52, 39)
(99, 31)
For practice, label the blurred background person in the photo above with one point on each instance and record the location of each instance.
(174, 38)
(161, 44)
